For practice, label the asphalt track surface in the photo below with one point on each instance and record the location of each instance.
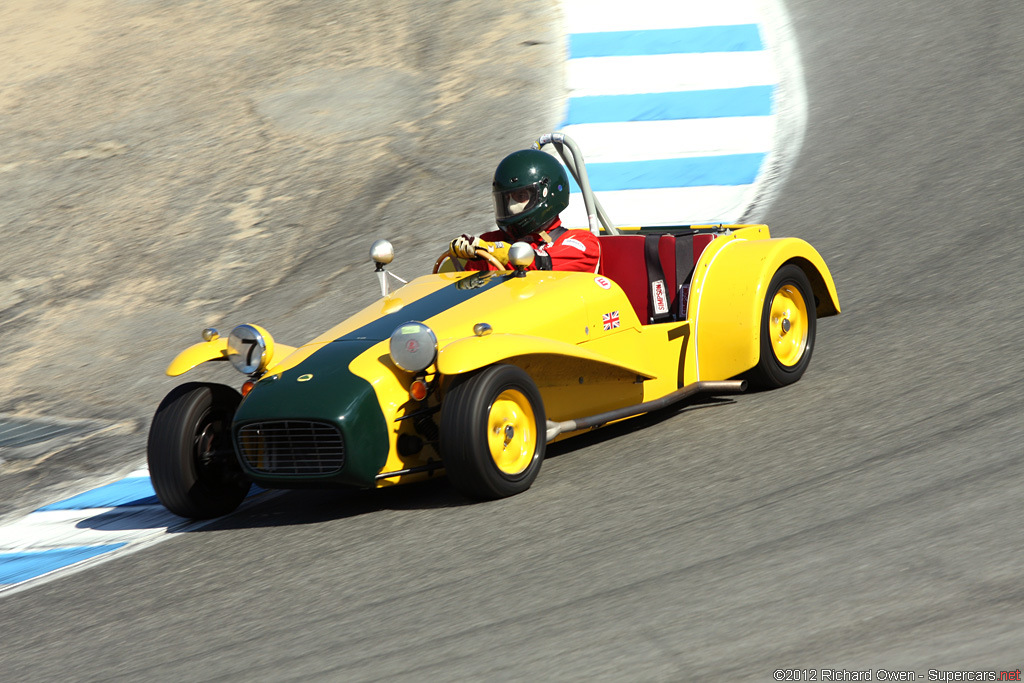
(867, 517)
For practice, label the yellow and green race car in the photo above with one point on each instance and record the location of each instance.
(473, 373)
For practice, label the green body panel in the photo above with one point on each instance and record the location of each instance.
(427, 307)
(332, 394)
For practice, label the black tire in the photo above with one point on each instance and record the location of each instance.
(192, 462)
(472, 410)
(783, 360)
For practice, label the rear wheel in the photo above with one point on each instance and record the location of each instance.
(788, 327)
(493, 433)
(191, 458)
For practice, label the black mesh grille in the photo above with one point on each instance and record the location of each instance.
(292, 447)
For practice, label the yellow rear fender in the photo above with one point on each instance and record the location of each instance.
(727, 297)
(472, 353)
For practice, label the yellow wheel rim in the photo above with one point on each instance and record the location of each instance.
(512, 432)
(788, 325)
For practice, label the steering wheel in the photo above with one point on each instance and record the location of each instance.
(480, 253)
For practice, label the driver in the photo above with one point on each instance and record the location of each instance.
(530, 189)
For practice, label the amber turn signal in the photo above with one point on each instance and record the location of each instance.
(418, 389)
(247, 387)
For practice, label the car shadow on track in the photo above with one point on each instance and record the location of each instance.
(315, 506)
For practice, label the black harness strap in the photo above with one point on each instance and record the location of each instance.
(684, 271)
(543, 259)
(659, 307)
(550, 236)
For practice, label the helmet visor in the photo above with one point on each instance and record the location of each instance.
(511, 203)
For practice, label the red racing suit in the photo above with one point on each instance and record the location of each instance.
(568, 249)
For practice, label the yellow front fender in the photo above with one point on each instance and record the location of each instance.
(198, 353)
(217, 349)
(472, 353)
(728, 293)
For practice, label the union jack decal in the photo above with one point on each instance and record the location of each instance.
(610, 320)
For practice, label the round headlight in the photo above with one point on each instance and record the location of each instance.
(413, 346)
(250, 348)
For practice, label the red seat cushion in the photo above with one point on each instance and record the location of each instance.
(623, 261)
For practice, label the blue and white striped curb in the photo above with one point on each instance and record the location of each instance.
(87, 528)
(83, 528)
(674, 105)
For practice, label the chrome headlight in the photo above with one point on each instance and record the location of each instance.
(250, 348)
(413, 346)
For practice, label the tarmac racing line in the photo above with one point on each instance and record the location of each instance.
(687, 112)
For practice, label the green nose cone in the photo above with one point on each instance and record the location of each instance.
(321, 389)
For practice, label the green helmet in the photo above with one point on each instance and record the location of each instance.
(530, 189)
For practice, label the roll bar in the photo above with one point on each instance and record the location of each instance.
(574, 162)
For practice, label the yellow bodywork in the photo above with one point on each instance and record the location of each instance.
(728, 291)
(471, 353)
(553, 325)
(217, 349)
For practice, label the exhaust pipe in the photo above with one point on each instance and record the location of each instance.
(723, 387)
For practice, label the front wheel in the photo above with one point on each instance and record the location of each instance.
(493, 433)
(192, 462)
(788, 327)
